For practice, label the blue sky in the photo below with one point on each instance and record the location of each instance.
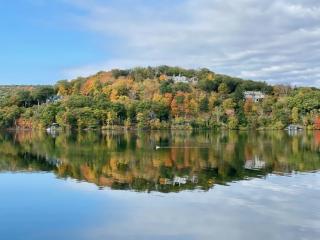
(37, 42)
(273, 40)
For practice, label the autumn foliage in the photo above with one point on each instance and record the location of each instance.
(158, 98)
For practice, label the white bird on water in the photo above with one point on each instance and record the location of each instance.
(158, 147)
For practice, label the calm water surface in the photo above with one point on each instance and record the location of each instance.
(120, 185)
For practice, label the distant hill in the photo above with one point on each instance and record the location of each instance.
(161, 97)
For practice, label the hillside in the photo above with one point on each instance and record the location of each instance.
(159, 98)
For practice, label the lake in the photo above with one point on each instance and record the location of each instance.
(160, 185)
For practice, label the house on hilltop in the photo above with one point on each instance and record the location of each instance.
(255, 96)
(182, 79)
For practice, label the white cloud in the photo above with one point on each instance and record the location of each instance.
(272, 40)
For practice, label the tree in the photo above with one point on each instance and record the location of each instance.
(143, 120)
(233, 122)
(22, 98)
(238, 94)
(120, 109)
(204, 104)
(166, 87)
(205, 74)
(118, 97)
(305, 100)
(317, 123)
(47, 115)
(208, 85)
(281, 90)
(161, 111)
(111, 118)
(86, 118)
(63, 87)
(241, 116)
(66, 119)
(248, 106)
(116, 73)
(182, 87)
(177, 105)
(223, 88)
(295, 115)
(228, 104)
(8, 116)
(78, 101)
(41, 94)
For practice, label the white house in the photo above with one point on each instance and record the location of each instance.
(255, 96)
(54, 99)
(182, 79)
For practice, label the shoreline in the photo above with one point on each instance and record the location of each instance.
(124, 129)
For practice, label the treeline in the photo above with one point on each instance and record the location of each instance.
(152, 98)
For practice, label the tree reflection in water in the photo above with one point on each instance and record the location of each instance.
(185, 161)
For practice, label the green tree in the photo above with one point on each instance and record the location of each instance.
(66, 119)
(86, 118)
(8, 116)
(228, 104)
(111, 118)
(295, 115)
(204, 104)
(208, 85)
(166, 87)
(41, 94)
(233, 122)
(47, 115)
(223, 88)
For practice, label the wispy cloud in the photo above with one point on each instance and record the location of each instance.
(272, 40)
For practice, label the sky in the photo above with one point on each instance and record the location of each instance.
(277, 41)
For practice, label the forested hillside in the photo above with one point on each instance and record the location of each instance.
(159, 98)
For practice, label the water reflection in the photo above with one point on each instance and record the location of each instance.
(184, 161)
